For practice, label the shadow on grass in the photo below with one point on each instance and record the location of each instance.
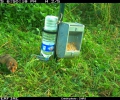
(4, 70)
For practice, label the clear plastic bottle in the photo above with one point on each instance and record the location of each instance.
(49, 36)
(51, 23)
(48, 43)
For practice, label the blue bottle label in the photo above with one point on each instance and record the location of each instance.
(47, 48)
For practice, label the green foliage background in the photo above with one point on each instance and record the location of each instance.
(96, 72)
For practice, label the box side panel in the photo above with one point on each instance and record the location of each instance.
(62, 40)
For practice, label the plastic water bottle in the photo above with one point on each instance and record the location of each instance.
(49, 36)
(51, 23)
(48, 43)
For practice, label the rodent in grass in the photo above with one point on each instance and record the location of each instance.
(10, 62)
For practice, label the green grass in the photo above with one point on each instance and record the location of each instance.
(95, 73)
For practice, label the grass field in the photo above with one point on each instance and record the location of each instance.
(95, 73)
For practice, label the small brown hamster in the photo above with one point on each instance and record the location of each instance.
(10, 62)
